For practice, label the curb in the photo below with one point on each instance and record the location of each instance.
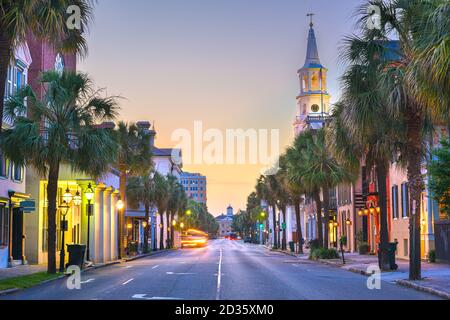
(9, 291)
(418, 287)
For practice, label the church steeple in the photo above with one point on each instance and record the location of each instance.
(313, 101)
(312, 54)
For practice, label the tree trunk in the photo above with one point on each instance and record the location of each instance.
(147, 227)
(169, 239)
(318, 202)
(299, 225)
(382, 171)
(122, 223)
(172, 231)
(284, 241)
(414, 120)
(52, 191)
(326, 210)
(161, 232)
(5, 58)
(274, 231)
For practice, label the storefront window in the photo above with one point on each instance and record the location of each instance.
(3, 166)
(17, 173)
(4, 226)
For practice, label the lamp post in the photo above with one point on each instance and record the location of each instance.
(89, 193)
(64, 208)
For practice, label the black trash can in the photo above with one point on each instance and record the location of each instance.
(292, 246)
(76, 254)
(392, 249)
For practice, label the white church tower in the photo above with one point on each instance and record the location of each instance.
(313, 101)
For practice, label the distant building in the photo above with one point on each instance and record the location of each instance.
(225, 221)
(195, 186)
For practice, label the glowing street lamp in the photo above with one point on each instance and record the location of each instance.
(77, 199)
(64, 209)
(174, 223)
(120, 205)
(89, 194)
(182, 225)
(188, 212)
(67, 196)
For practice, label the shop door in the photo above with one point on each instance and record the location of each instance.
(17, 236)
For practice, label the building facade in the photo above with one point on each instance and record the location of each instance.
(13, 177)
(194, 185)
(225, 222)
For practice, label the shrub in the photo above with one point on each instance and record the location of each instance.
(363, 248)
(313, 244)
(432, 256)
(323, 253)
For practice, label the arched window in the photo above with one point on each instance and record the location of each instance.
(315, 85)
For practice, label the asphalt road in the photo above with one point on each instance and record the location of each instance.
(225, 270)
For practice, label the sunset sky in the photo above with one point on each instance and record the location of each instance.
(228, 63)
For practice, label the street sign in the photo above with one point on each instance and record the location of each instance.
(28, 206)
(283, 225)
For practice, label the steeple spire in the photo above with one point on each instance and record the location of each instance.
(312, 54)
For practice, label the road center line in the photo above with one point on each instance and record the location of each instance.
(219, 276)
(155, 266)
(128, 281)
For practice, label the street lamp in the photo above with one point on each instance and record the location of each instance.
(120, 204)
(182, 225)
(77, 199)
(188, 212)
(89, 194)
(64, 208)
(174, 223)
(67, 196)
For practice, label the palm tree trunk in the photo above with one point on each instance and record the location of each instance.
(414, 122)
(318, 202)
(284, 241)
(384, 235)
(326, 210)
(5, 58)
(52, 190)
(172, 231)
(146, 229)
(169, 239)
(122, 223)
(161, 233)
(299, 224)
(274, 231)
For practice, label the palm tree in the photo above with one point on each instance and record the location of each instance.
(141, 192)
(414, 93)
(46, 20)
(283, 200)
(265, 189)
(161, 201)
(60, 129)
(177, 199)
(318, 170)
(134, 159)
(361, 129)
(295, 191)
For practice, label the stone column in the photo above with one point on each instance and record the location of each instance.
(98, 254)
(114, 225)
(107, 224)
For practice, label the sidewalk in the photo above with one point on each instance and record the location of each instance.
(24, 270)
(436, 276)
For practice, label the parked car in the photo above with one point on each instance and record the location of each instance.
(248, 239)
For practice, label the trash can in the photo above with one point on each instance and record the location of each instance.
(76, 254)
(392, 249)
(292, 246)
